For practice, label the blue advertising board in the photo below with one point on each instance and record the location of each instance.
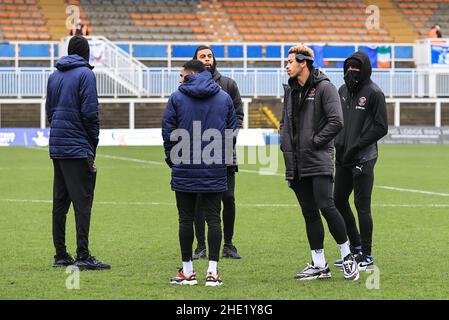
(24, 137)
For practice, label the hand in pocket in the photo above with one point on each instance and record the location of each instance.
(92, 165)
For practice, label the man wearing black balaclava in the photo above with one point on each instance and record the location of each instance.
(72, 111)
(206, 56)
(365, 119)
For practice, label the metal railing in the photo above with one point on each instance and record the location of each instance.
(28, 82)
(168, 56)
(268, 82)
(113, 61)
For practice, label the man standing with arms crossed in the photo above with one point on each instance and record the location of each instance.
(311, 120)
(365, 117)
(72, 111)
(206, 56)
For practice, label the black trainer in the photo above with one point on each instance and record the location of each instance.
(200, 253)
(63, 261)
(91, 263)
(354, 251)
(230, 251)
(364, 261)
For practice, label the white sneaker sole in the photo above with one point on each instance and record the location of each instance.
(213, 284)
(353, 277)
(185, 283)
(320, 277)
(364, 268)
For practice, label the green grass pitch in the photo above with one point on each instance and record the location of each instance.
(134, 228)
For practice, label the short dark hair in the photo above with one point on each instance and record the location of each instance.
(201, 47)
(194, 65)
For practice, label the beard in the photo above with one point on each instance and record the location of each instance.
(212, 68)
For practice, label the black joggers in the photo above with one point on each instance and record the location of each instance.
(315, 194)
(359, 178)
(228, 215)
(74, 182)
(210, 204)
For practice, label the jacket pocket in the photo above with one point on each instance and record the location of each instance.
(314, 145)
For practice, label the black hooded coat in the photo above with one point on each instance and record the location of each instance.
(364, 115)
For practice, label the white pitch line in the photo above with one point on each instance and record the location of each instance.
(415, 191)
(106, 156)
(259, 172)
(127, 203)
(251, 205)
(262, 173)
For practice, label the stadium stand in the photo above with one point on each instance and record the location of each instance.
(22, 20)
(291, 20)
(143, 20)
(423, 14)
(222, 20)
(35, 19)
(55, 15)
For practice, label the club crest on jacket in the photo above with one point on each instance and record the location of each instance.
(362, 101)
(312, 92)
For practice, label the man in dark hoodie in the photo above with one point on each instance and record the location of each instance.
(197, 109)
(365, 117)
(206, 56)
(72, 111)
(311, 120)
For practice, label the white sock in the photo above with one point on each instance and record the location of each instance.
(318, 258)
(187, 267)
(344, 249)
(212, 267)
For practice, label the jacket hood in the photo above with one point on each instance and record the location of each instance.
(71, 62)
(317, 77)
(216, 75)
(199, 85)
(365, 72)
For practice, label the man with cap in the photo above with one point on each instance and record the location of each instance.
(311, 119)
(206, 56)
(365, 117)
(72, 112)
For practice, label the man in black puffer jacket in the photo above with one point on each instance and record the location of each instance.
(311, 120)
(365, 116)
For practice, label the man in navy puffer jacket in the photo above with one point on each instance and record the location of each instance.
(72, 111)
(198, 132)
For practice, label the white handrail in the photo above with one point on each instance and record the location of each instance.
(116, 63)
(117, 82)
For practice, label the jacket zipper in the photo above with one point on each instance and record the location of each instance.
(348, 131)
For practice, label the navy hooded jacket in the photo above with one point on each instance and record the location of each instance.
(199, 101)
(72, 109)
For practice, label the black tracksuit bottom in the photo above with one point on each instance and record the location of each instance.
(210, 205)
(359, 178)
(74, 182)
(315, 194)
(228, 215)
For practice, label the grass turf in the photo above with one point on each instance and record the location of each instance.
(134, 228)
